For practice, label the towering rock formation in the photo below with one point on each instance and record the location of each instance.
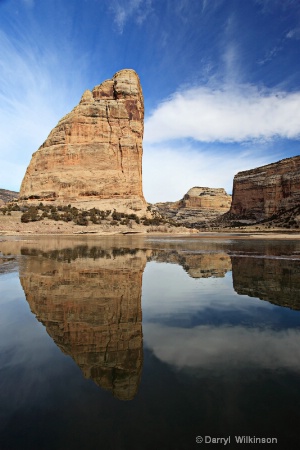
(198, 207)
(94, 154)
(266, 191)
(89, 299)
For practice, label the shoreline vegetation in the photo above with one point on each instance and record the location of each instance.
(46, 220)
(17, 219)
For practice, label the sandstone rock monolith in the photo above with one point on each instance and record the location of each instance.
(93, 157)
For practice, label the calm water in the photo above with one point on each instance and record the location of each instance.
(147, 343)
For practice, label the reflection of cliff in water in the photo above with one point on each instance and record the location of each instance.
(274, 280)
(89, 300)
(197, 265)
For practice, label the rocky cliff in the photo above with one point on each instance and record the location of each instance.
(89, 300)
(94, 154)
(266, 191)
(198, 207)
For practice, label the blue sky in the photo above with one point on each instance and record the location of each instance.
(221, 81)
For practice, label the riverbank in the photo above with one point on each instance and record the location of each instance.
(11, 225)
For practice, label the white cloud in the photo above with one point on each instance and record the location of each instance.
(185, 136)
(229, 114)
(169, 171)
(123, 10)
(208, 347)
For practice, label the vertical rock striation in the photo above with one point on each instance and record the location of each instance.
(94, 154)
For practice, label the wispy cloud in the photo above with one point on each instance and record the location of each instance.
(294, 34)
(34, 94)
(228, 114)
(124, 10)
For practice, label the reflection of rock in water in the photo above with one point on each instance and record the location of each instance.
(197, 265)
(90, 302)
(274, 280)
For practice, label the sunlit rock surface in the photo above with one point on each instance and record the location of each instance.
(198, 207)
(93, 157)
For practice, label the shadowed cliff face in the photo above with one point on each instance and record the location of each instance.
(266, 191)
(274, 280)
(91, 307)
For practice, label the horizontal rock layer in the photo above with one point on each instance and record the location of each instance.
(95, 151)
(266, 191)
(198, 207)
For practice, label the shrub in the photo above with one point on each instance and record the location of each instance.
(81, 220)
(25, 218)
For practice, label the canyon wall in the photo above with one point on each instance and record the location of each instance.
(266, 191)
(93, 157)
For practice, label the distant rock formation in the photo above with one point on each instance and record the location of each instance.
(198, 207)
(89, 300)
(266, 191)
(7, 196)
(94, 154)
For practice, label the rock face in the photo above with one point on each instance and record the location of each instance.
(89, 300)
(266, 191)
(7, 196)
(198, 207)
(94, 154)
